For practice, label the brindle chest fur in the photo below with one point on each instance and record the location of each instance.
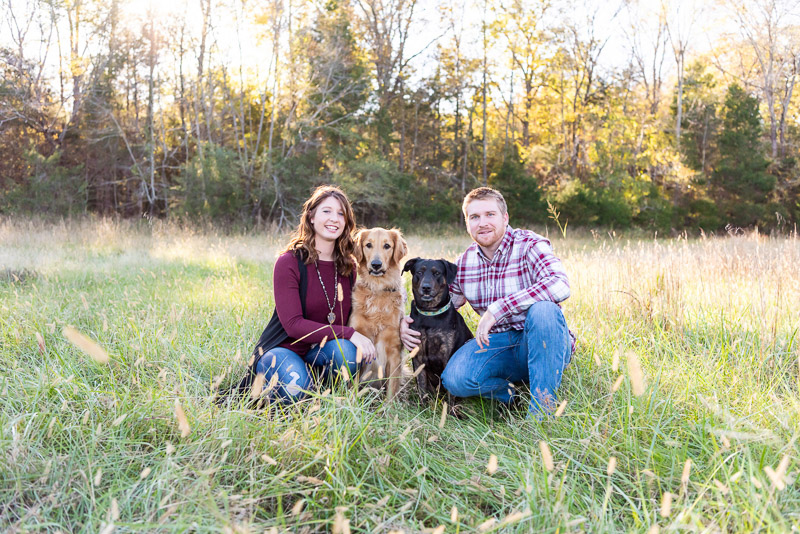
(440, 337)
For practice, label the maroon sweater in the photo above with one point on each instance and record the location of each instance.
(286, 284)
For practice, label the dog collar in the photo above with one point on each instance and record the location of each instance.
(437, 312)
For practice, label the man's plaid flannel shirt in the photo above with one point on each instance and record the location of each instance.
(523, 270)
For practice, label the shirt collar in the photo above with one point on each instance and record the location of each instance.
(505, 244)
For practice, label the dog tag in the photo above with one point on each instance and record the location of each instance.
(331, 317)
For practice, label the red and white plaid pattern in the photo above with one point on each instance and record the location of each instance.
(524, 270)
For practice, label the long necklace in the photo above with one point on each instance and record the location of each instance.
(331, 315)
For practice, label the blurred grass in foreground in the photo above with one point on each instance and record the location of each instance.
(90, 447)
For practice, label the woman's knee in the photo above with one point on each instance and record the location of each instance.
(293, 383)
(285, 375)
(343, 355)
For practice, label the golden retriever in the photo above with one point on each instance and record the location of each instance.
(379, 301)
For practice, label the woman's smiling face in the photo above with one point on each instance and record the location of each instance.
(328, 219)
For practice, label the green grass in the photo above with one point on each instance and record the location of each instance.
(713, 321)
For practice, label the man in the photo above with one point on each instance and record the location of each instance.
(512, 279)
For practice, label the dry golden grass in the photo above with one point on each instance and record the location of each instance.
(712, 324)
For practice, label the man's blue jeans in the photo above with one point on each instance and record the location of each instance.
(294, 372)
(537, 355)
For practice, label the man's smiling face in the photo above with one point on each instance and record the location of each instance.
(486, 223)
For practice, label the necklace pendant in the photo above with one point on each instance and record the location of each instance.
(331, 317)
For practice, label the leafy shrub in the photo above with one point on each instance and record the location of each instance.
(49, 189)
(210, 185)
(520, 189)
(582, 206)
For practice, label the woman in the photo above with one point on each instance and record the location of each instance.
(309, 275)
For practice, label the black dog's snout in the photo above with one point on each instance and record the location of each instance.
(376, 264)
(426, 288)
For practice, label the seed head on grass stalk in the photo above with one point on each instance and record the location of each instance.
(687, 469)
(515, 517)
(487, 525)
(491, 467)
(666, 504)
(775, 478)
(547, 456)
(89, 347)
(617, 383)
(612, 465)
(341, 525)
(298, 507)
(721, 487)
(183, 424)
(636, 374)
(258, 386)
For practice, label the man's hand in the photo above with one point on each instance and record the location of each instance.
(409, 337)
(484, 325)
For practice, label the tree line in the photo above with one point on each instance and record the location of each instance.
(615, 116)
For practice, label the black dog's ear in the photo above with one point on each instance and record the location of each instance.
(409, 266)
(450, 270)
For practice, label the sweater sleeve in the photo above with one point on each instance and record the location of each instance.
(286, 284)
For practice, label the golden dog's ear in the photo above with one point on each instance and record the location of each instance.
(400, 246)
(357, 251)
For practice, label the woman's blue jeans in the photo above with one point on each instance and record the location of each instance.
(295, 372)
(537, 354)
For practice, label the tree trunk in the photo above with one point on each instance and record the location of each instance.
(151, 145)
(679, 117)
(485, 68)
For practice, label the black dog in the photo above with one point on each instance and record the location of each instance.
(442, 329)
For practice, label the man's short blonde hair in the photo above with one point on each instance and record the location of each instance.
(482, 193)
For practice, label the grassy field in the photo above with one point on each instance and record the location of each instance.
(89, 447)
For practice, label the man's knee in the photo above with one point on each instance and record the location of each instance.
(543, 312)
(447, 380)
(458, 381)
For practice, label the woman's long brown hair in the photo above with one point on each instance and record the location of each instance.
(304, 236)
